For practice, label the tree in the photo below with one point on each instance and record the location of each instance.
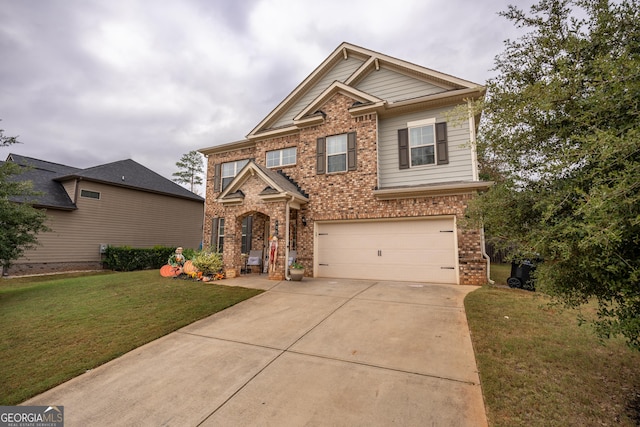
(191, 169)
(562, 124)
(19, 222)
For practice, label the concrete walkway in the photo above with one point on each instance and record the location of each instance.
(321, 352)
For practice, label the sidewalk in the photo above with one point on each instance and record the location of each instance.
(317, 352)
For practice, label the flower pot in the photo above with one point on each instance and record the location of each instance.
(296, 274)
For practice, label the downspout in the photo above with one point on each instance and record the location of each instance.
(485, 255)
(474, 150)
(286, 236)
(476, 177)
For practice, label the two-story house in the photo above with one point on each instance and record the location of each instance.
(364, 171)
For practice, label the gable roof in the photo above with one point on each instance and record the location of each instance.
(42, 174)
(278, 186)
(130, 174)
(452, 89)
(47, 178)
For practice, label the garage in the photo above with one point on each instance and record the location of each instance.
(419, 250)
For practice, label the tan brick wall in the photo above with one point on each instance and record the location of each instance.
(338, 196)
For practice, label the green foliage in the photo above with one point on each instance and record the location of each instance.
(191, 169)
(125, 258)
(561, 136)
(7, 140)
(208, 262)
(189, 253)
(20, 223)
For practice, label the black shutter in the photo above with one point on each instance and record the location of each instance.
(403, 148)
(442, 146)
(214, 234)
(352, 161)
(217, 172)
(321, 157)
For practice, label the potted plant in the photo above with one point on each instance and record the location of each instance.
(296, 271)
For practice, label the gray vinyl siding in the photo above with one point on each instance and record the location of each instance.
(458, 169)
(341, 72)
(393, 86)
(121, 217)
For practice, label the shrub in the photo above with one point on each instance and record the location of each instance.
(125, 258)
(208, 262)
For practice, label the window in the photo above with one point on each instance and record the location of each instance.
(90, 194)
(422, 143)
(337, 153)
(230, 170)
(283, 157)
(247, 225)
(220, 236)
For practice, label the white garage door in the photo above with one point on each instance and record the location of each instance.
(422, 250)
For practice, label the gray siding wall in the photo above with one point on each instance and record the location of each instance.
(458, 169)
(120, 217)
(340, 72)
(393, 86)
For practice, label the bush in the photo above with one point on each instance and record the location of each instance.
(208, 262)
(125, 258)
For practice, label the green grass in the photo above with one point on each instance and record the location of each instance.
(539, 368)
(54, 328)
(500, 273)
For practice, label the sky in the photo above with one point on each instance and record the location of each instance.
(88, 82)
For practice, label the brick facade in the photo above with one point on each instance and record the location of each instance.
(336, 196)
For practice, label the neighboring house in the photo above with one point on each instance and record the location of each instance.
(364, 171)
(120, 203)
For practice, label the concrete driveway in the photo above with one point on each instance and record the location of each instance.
(321, 352)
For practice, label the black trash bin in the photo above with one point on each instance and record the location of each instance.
(521, 270)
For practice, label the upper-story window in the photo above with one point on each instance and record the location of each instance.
(284, 157)
(230, 170)
(336, 153)
(423, 142)
(90, 194)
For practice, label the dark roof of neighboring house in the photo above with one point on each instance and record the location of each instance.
(47, 178)
(42, 175)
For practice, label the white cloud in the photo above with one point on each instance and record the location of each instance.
(92, 81)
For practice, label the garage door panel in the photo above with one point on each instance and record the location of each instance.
(409, 273)
(421, 250)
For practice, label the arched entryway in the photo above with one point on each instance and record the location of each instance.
(255, 231)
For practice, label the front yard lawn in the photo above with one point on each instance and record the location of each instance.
(539, 368)
(55, 328)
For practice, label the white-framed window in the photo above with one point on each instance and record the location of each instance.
(88, 194)
(230, 170)
(220, 236)
(337, 153)
(422, 142)
(284, 157)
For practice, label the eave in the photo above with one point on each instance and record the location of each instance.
(444, 189)
(225, 148)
